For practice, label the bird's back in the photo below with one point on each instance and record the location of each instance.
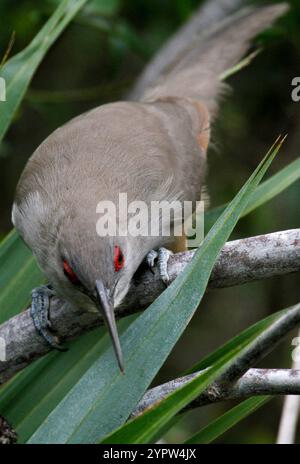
(137, 148)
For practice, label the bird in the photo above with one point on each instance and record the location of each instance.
(153, 148)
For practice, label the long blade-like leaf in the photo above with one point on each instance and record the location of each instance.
(19, 70)
(264, 192)
(27, 399)
(242, 339)
(228, 420)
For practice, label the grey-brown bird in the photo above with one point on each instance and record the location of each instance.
(151, 149)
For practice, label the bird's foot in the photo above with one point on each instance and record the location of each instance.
(39, 311)
(162, 256)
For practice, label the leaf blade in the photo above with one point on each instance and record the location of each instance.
(228, 420)
(264, 193)
(19, 70)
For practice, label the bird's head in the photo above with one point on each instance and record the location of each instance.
(90, 271)
(93, 272)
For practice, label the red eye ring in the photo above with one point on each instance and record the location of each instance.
(118, 259)
(69, 273)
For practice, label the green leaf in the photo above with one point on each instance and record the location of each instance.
(225, 422)
(101, 7)
(239, 66)
(112, 396)
(264, 193)
(19, 70)
(19, 273)
(241, 340)
(28, 398)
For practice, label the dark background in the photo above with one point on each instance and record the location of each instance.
(96, 62)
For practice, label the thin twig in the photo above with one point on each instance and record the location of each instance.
(237, 381)
(240, 261)
(252, 354)
(255, 382)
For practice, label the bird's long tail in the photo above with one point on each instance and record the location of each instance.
(195, 74)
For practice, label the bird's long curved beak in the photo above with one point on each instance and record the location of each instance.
(107, 311)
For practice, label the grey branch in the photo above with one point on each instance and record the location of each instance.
(254, 382)
(236, 381)
(239, 262)
(252, 354)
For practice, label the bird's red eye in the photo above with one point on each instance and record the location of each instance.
(69, 273)
(118, 259)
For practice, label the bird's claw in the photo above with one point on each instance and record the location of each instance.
(151, 257)
(162, 256)
(39, 312)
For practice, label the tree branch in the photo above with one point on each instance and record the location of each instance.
(236, 379)
(239, 262)
(254, 382)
